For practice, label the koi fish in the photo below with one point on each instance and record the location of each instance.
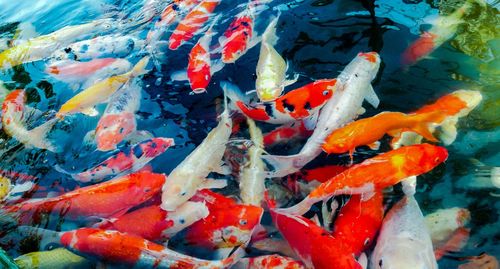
(287, 132)
(271, 67)
(453, 106)
(483, 261)
(442, 30)
(75, 71)
(116, 46)
(384, 170)
(369, 130)
(295, 105)
(155, 224)
(228, 224)
(443, 222)
(458, 239)
(353, 86)
(38, 48)
(104, 200)
(190, 175)
(118, 120)
(14, 114)
(404, 241)
(192, 23)
(117, 247)
(269, 262)
(252, 176)
(100, 92)
(123, 162)
(59, 258)
(238, 36)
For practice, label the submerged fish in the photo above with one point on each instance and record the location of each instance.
(354, 85)
(14, 115)
(287, 133)
(59, 258)
(269, 262)
(404, 241)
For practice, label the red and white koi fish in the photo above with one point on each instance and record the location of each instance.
(228, 224)
(295, 105)
(78, 72)
(269, 262)
(114, 46)
(14, 114)
(117, 247)
(353, 86)
(104, 200)
(404, 241)
(190, 175)
(118, 120)
(127, 161)
(192, 23)
(483, 261)
(286, 133)
(155, 224)
(441, 31)
(379, 172)
(200, 67)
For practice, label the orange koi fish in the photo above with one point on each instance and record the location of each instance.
(192, 23)
(269, 262)
(127, 161)
(117, 247)
(295, 105)
(108, 199)
(238, 35)
(14, 114)
(228, 224)
(287, 132)
(384, 170)
(369, 130)
(155, 224)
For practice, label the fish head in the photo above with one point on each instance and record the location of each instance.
(5, 186)
(371, 60)
(112, 129)
(153, 147)
(401, 256)
(146, 184)
(199, 78)
(429, 156)
(322, 92)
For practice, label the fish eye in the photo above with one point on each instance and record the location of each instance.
(436, 160)
(326, 92)
(243, 222)
(380, 263)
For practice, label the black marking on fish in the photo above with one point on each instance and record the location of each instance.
(268, 107)
(288, 106)
(138, 152)
(307, 106)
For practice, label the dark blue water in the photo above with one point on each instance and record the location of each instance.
(318, 38)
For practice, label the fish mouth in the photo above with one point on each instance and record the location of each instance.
(199, 90)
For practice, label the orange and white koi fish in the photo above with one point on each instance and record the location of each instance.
(453, 106)
(252, 174)
(483, 261)
(369, 130)
(155, 224)
(100, 92)
(228, 224)
(75, 72)
(457, 241)
(271, 67)
(379, 172)
(14, 114)
(353, 86)
(118, 120)
(404, 241)
(192, 23)
(286, 133)
(108, 46)
(117, 247)
(190, 175)
(295, 105)
(104, 200)
(442, 30)
(269, 262)
(123, 162)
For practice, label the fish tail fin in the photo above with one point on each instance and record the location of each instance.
(282, 165)
(423, 122)
(39, 134)
(269, 36)
(233, 93)
(448, 132)
(141, 67)
(234, 258)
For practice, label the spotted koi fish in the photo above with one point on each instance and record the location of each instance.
(127, 161)
(238, 36)
(269, 262)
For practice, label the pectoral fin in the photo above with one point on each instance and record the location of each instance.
(210, 183)
(90, 111)
(371, 97)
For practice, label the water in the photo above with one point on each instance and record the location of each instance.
(318, 38)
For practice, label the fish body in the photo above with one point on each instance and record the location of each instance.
(127, 161)
(286, 133)
(118, 120)
(100, 92)
(237, 37)
(443, 222)
(192, 23)
(404, 241)
(104, 200)
(228, 224)
(369, 130)
(252, 175)
(59, 258)
(269, 262)
(295, 105)
(384, 170)
(74, 71)
(14, 114)
(271, 67)
(190, 175)
(41, 47)
(155, 224)
(354, 85)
